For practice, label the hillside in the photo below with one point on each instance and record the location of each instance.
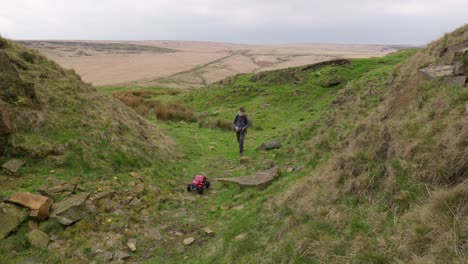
(372, 166)
(49, 115)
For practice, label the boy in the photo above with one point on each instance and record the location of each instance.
(241, 123)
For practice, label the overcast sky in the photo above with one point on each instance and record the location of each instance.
(238, 21)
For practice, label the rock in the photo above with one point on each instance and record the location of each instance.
(245, 159)
(266, 106)
(212, 148)
(208, 230)
(134, 174)
(191, 220)
(139, 190)
(104, 257)
(120, 255)
(188, 241)
(224, 207)
(135, 202)
(261, 179)
(131, 244)
(333, 82)
(38, 239)
(11, 216)
(34, 202)
(461, 62)
(456, 80)
(70, 210)
(238, 207)
(213, 209)
(179, 234)
(13, 165)
(240, 237)
(153, 233)
(438, 71)
(32, 225)
(269, 145)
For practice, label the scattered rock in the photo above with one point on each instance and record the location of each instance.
(131, 244)
(208, 230)
(179, 234)
(266, 106)
(188, 241)
(70, 210)
(269, 145)
(13, 165)
(191, 220)
(120, 255)
(245, 159)
(212, 148)
(238, 207)
(240, 237)
(38, 239)
(456, 80)
(135, 202)
(134, 174)
(153, 233)
(224, 207)
(10, 217)
(261, 179)
(40, 204)
(104, 257)
(213, 208)
(32, 225)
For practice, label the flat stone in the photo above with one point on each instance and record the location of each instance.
(260, 179)
(438, 71)
(11, 216)
(456, 80)
(120, 255)
(38, 239)
(188, 241)
(13, 165)
(208, 230)
(135, 202)
(34, 202)
(271, 144)
(70, 210)
(153, 233)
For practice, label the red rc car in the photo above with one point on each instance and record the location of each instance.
(199, 183)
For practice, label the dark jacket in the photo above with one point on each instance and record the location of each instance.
(241, 121)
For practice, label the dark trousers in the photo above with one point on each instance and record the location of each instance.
(240, 138)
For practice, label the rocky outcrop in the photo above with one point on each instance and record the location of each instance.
(11, 216)
(260, 179)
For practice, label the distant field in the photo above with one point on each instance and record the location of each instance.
(187, 64)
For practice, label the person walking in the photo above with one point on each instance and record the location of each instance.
(241, 123)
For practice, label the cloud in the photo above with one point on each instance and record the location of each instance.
(245, 21)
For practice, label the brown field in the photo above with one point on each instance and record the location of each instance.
(187, 64)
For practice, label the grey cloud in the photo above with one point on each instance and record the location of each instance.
(242, 21)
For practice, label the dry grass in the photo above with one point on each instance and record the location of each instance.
(193, 65)
(165, 112)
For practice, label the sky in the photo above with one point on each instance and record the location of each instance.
(413, 22)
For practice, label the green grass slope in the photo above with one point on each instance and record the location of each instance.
(49, 115)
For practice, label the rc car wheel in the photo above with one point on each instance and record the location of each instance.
(188, 188)
(200, 190)
(207, 184)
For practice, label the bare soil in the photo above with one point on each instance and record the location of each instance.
(187, 64)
